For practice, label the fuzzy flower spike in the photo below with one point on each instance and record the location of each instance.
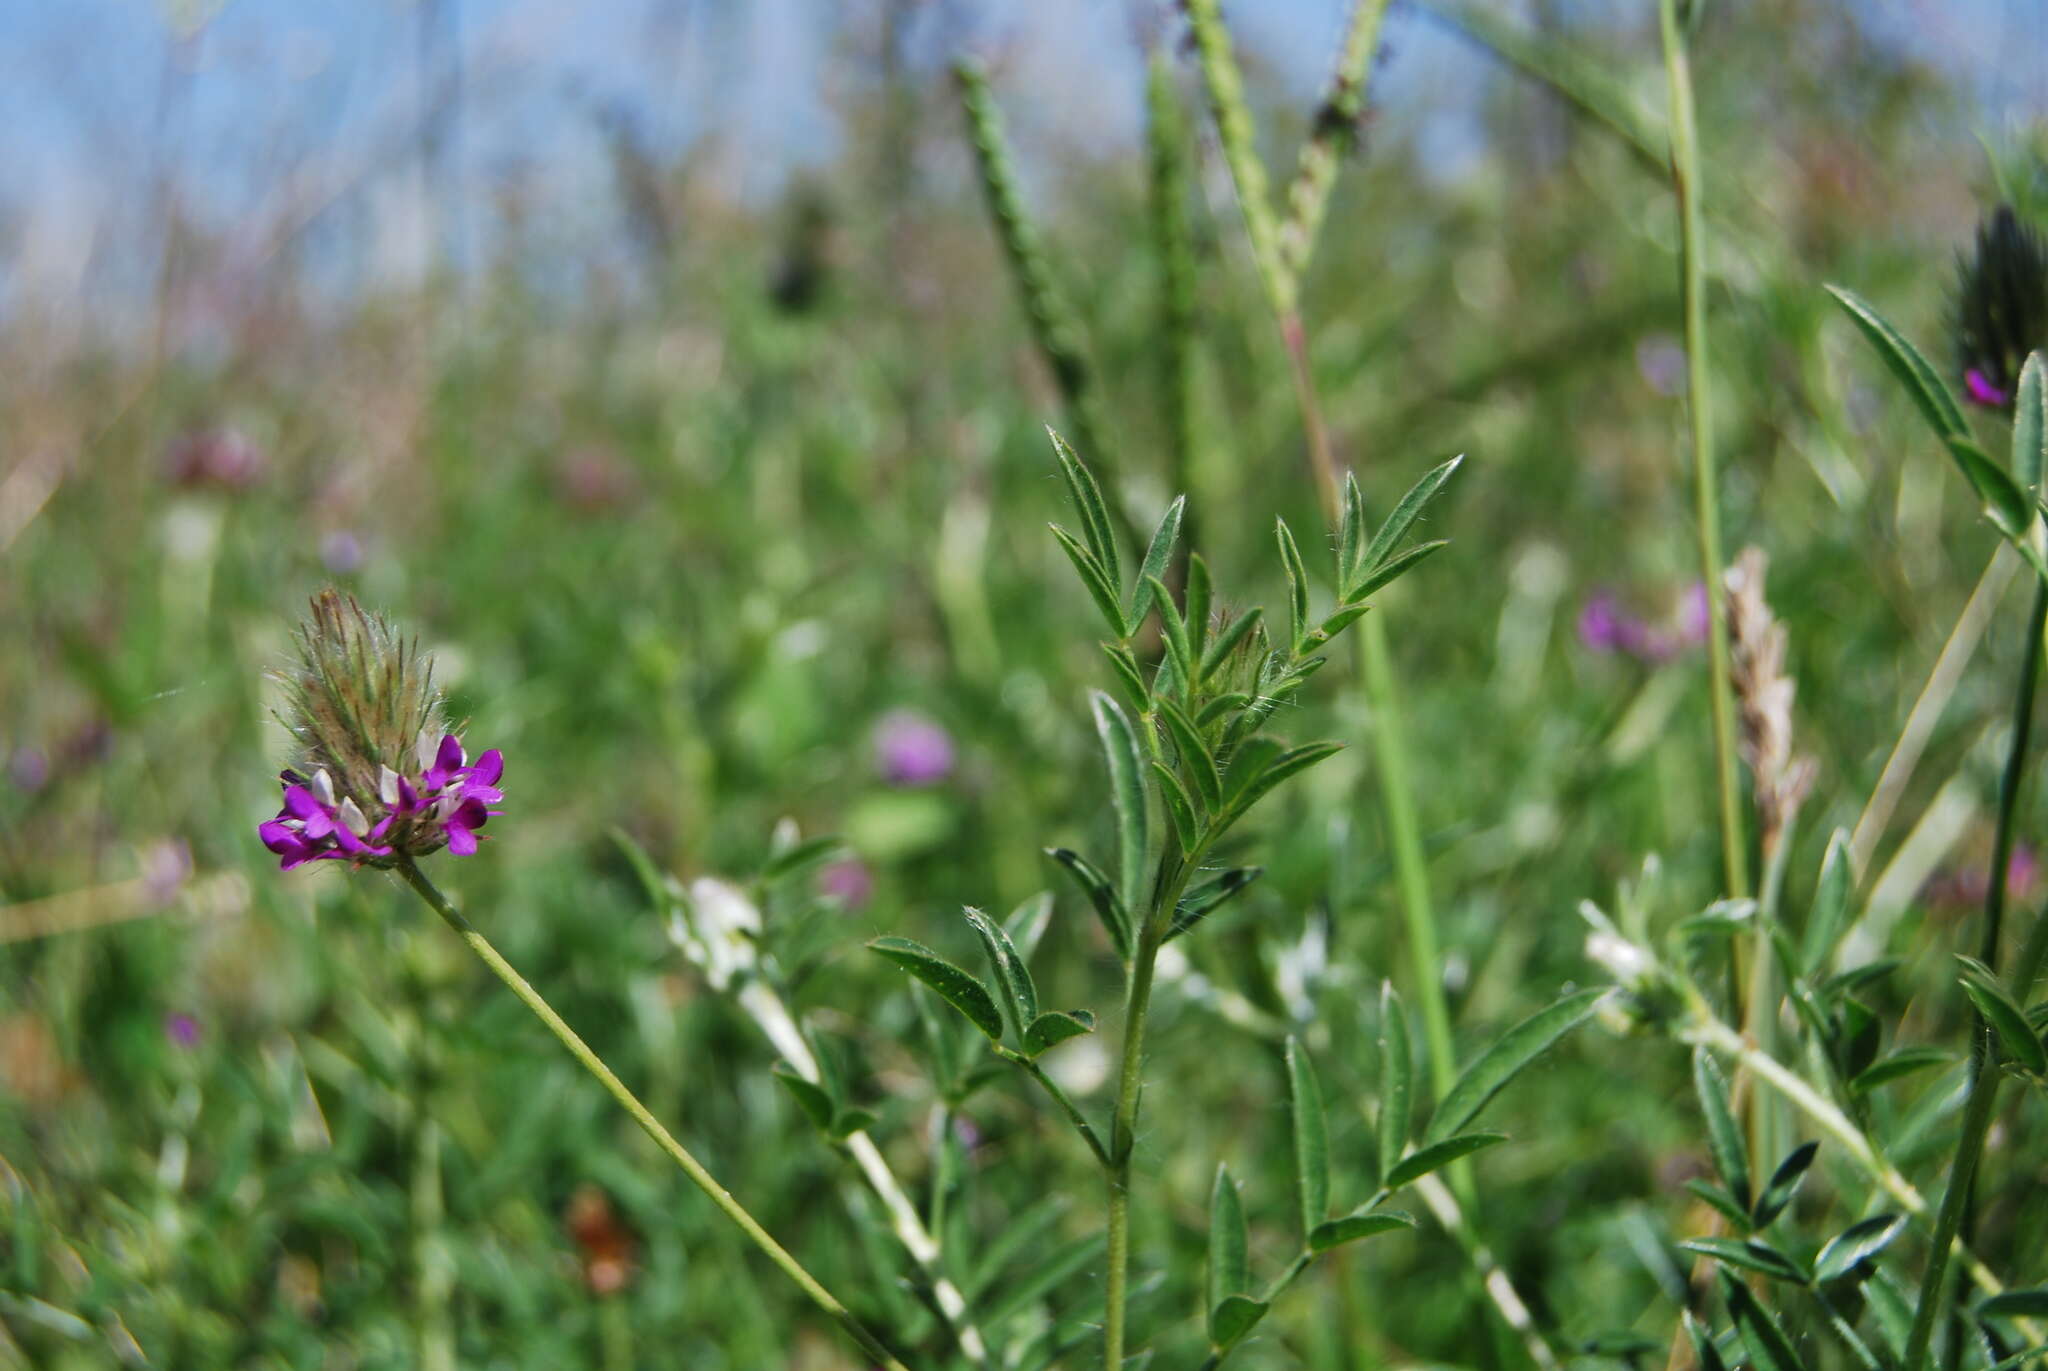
(379, 778)
(2001, 308)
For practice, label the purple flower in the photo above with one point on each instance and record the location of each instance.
(1983, 391)
(847, 881)
(182, 1030)
(1605, 626)
(912, 750)
(442, 806)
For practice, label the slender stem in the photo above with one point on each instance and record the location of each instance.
(1123, 1128)
(1062, 1099)
(630, 1102)
(1685, 176)
(1984, 1081)
(1334, 134)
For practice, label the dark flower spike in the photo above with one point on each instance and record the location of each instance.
(381, 779)
(2001, 311)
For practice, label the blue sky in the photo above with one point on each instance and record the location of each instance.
(311, 102)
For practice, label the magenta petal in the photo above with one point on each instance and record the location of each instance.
(279, 837)
(1982, 391)
(408, 798)
(488, 769)
(461, 841)
(302, 803)
(450, 755)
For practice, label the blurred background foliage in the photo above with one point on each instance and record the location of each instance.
(689, 506)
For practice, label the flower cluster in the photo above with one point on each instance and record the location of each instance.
(444, 807)
(2001, 307)
(380, 778)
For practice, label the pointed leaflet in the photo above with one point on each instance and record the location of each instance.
(1096, 579)
(1195, 605)
(1901, 1063)
(1297, 586)
(1174, 630)
(1311, 1138)
(1784, 1182)
(1127, 795)
(1824, 924)
(1397, 1078)
(1500, 1063)
(1232, 1319)
(1227, 639)
(1703, 1346)
(1930, 393)
(1288, 764)
(1194, 754)
(1404, 516)
(1157, 558)
(1178, 807)
(1108, 907)
(1855, 1245)
(1055, 1027)
(1350, 536)
(1397, 567)
(1013, 978)
(1724, 1137)
(1203, 899)
(2030, 427)
(1759, 1257)
(2005, 504)
(1437, 1155)
(1362, 1223)
(811, 1098)
(953, 985)
(1229, 1268)
(1094, 513)
(1721, 1202)
(1768, 1346)
(2004, 1014)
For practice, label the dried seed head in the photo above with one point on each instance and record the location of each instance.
(1763, 695)
(2001, 309)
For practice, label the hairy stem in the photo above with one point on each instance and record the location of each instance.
(1984, 1080)
(1685, 177)
(630, 1102)
(1333, 135)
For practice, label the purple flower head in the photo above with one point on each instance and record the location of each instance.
(382, 780)
(847, 881)
(182, 1030)
(1606, 626)
(912, 750)
(1983, 392)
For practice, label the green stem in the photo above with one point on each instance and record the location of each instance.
(1334, 134)
(628, 1101)
(1984, 1081)
(1685, 177)
(1062, 1099)
(1123, 1128)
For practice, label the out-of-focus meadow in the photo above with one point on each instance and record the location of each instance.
(711, 467)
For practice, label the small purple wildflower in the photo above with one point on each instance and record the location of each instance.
(1606, 626)
(182, 1030)
(912, 750)
(847, 881)
(1983, 392)
(443, 806)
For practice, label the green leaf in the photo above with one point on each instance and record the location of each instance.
(1297, 586)
(1724, 1137)
(1227, 639)
(1096, 579)
(1829, 915)
(1248, 761)
(1397, 1079)
(2030, 426)
(1846, 1253)
(1937, 404)
(1748, 1254)
(1055, 1027)
(1202, 900)
(1904, 1062)
(1101, 894)
(1503, 1061)
(1194, 753)
(1127, 796)
(1125, 664)
(1236, 1316)
(953, 985)
(1404, 516)
(2004, 1014)
(1338, 622)
(1286, 765)
(1087, 498)
(1722, 1202)
(1358, 1224)
(1220, 706)
(1178, 807)
(1783, 1184)
(848, 1122)
(1195, 605)
(1704, 1350)
(1174, 630)
(1424, 1160)
(1311, 1138)
(2008, 508)
(810, 1097)
(2016, 1304)
(1158, 556)
(1397, 567)
(1768, 1346)
(1013, 978)
(1229, 1266)
(1350, 536)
